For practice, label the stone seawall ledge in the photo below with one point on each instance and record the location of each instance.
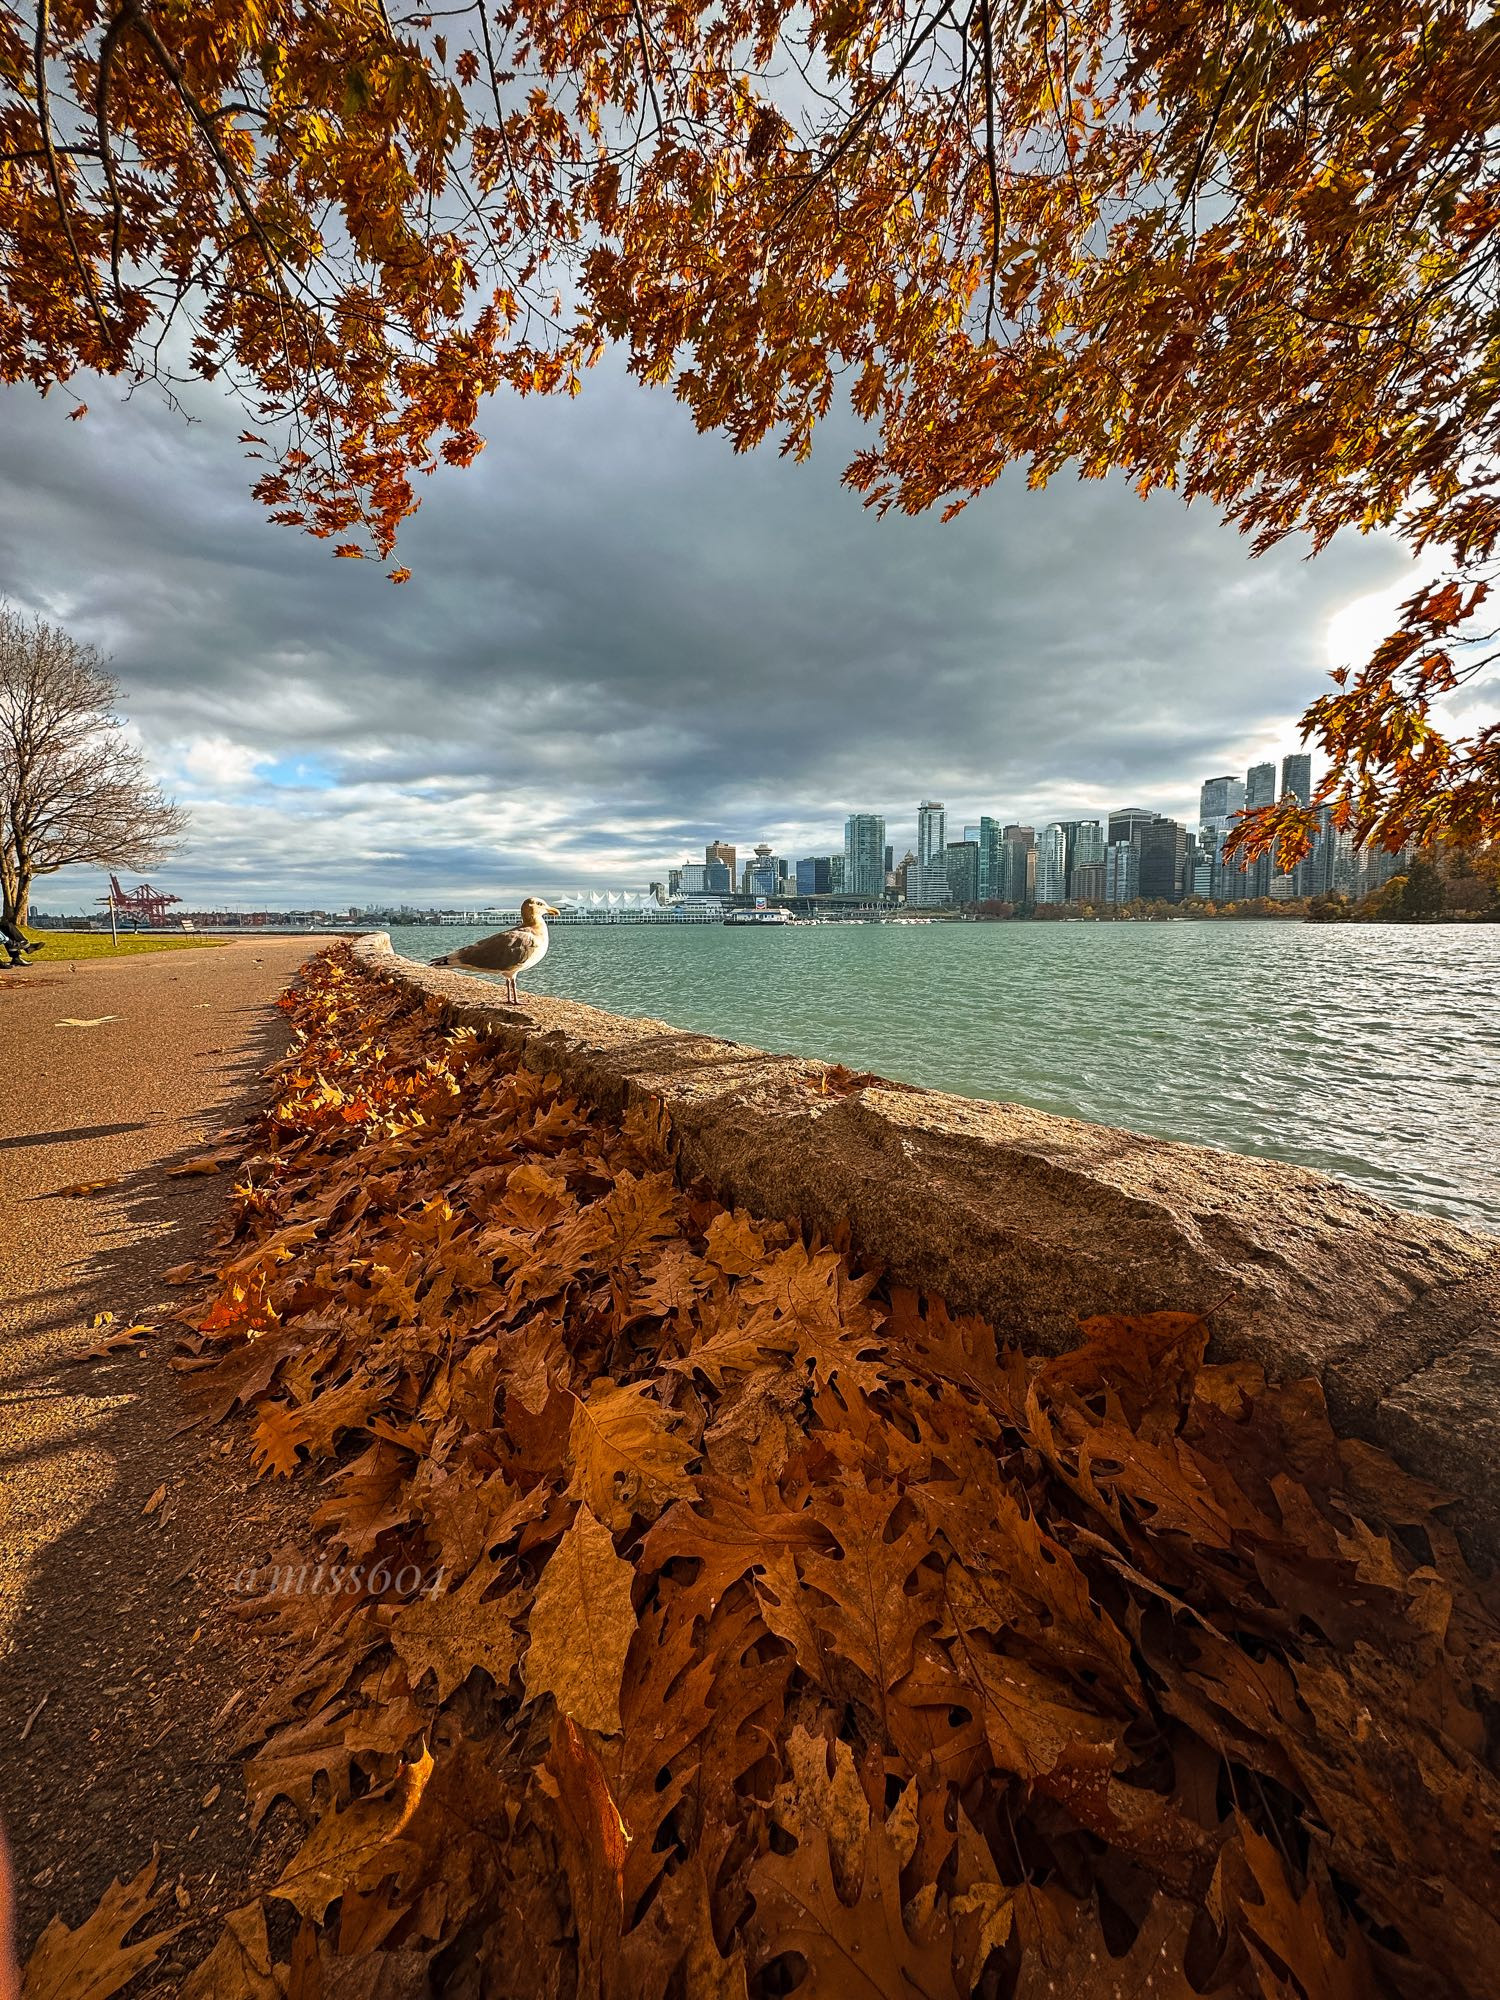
(1037, 1221)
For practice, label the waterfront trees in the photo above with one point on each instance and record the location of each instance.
(1246, 253)
(73, 788)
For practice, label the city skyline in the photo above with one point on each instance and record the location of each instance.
(1117, 856)
(935, 825)
(729, 862)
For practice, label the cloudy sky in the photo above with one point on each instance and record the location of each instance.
(620, 641)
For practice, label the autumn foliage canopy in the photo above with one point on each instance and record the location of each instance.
(1247, 252)
(700, 1616)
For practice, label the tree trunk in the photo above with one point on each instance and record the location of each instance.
(15, 907)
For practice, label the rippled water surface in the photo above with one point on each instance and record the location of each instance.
(1370, 1052)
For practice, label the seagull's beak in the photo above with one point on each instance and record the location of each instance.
(550, 912)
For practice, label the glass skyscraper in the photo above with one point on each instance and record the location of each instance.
(1052, 864)
(932, 831)
(864, 855)
(1296, 775)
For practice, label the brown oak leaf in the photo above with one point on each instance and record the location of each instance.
(862, 1951)
(581, 1626)
(93, 1962)
(449, 1634)
(626, 1458)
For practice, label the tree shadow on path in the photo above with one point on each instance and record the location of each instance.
(127, 1665)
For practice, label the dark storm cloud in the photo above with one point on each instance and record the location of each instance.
(621, 640)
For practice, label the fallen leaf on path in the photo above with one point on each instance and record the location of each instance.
(97, 1022)
(205, 1163)
(352, 1848)
(450, 1635)
(76, 1188)
(581, 1626)
(94, 1962)
(125, 1336)
(155, 1501)
(239, 1966)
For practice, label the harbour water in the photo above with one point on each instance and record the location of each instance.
(1369, 1051)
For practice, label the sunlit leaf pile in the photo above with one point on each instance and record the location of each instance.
(792, 1634)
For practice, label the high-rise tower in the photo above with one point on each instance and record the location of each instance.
(864, 855)
(1296, 776)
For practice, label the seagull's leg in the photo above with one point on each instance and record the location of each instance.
(514, 996)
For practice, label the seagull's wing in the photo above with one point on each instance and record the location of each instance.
(506, 951)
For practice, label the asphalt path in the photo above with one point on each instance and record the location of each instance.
(118, 1650)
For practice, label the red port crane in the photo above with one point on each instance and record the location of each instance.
(145, 904)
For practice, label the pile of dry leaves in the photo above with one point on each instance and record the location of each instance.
(712, 1621)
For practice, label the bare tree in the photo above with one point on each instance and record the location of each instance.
(72, 787)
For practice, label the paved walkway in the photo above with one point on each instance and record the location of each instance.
(115, 1656)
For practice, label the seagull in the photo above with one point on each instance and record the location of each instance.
(509, 952)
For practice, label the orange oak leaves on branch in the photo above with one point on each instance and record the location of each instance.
(1245, 253)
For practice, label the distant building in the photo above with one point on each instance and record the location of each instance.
(1376, 867)
(1122, 824)
(864, 855)
(837, 874)
(1162, 846)
(962, 864)
(991, 860)
(699, 878)
(721, 851)
(890, 857)
(1083, 841)
(814, 876)
(1296, 776)
(764, 875)
(1122, 872)
(1086, 844)
(1260, 787)
(1220, 802)
(1162, 873)
(1088, 880)
(1260, 790)
(1052, 864)
(1332, 868)
(1219, 799)
(932, 835)
(1018, 845)
(927, 884)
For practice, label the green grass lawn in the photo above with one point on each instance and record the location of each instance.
(62, 947)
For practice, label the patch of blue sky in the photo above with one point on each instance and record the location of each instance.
(297, 774)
